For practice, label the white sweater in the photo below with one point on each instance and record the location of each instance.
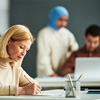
(53, 48)
(11, 77)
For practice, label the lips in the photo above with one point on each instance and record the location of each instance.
(61, 26)
(19, 57)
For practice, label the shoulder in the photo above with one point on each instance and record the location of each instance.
(67, 32)
(45, 34)
(45, 31)
(80, 50)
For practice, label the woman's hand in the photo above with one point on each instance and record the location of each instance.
(30, 89)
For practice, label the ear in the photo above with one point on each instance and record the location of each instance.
(9, 42)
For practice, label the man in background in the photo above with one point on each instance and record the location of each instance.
(91, 49)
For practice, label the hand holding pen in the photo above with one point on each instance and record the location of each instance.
(32, 89)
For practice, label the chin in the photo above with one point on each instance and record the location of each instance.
(16, 60)
(92, 50)
(61, 27)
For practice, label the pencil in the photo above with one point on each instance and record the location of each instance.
(28, 80)
(71, 84)
(79, 77)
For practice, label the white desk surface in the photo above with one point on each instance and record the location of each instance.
(84, 96)
(60, 82)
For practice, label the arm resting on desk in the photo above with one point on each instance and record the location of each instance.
(8, 90)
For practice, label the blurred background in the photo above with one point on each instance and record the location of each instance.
(34, 14)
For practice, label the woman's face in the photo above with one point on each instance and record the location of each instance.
(18, 49)
(61, 22)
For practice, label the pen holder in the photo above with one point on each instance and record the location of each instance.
(72, 89)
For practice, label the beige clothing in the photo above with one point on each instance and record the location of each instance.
(11, 77)
(53, 48)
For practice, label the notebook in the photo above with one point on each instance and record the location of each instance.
(89, 67)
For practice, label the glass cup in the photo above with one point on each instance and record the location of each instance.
(72, 89)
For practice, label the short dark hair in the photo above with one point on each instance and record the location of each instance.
(93, 30)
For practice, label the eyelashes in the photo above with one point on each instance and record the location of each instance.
(23, 48)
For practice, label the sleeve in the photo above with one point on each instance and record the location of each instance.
(68, 66)
(73, 45)
(44, 67)
(8, 90)
(22, 80)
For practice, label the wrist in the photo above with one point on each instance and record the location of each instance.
(21, 91)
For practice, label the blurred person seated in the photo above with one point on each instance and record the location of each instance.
(54, 43)
(91, 49)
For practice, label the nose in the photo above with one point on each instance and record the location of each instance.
(64, 23)
(23, 53)
(92, 45)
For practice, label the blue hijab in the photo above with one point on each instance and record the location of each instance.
(55, 14)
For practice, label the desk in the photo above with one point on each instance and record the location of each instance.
(84, 96)
(60, 82)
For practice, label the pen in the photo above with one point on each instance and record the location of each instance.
(28, 80)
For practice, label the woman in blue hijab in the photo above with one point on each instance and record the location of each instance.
(55, 43)
(57, 13)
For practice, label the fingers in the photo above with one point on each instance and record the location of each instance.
(36, 88)
(35, 92)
